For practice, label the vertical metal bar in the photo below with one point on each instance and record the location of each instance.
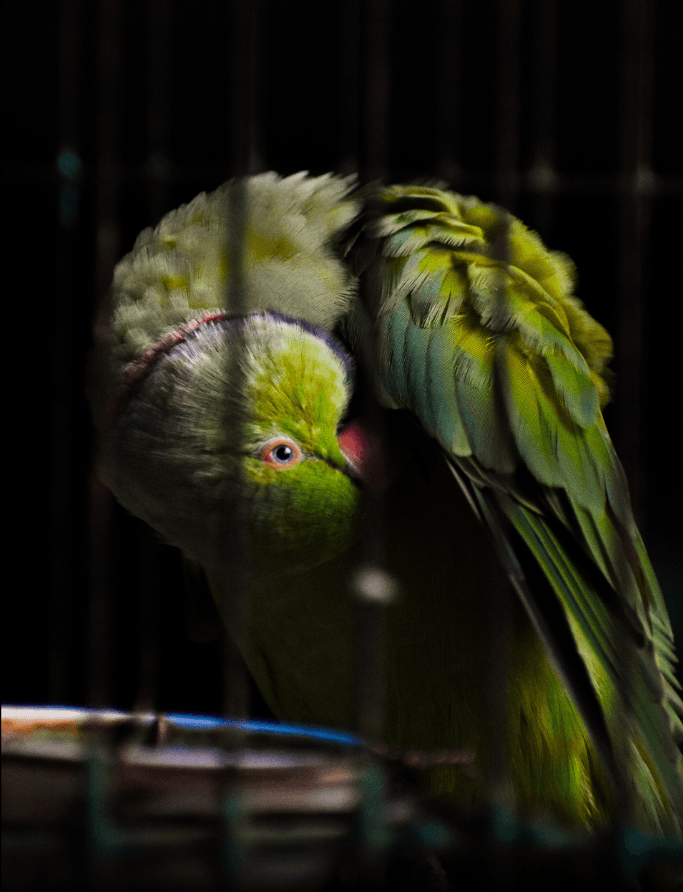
(233, 534)
(243, 133)
(374, 590)
(499, 618)
(377, 89)
(543, 175)
(64, 372)
(157, 170)
(349, 86)
(244, 25)
(499, 790)
(364, 57)
(449, 84)
(107, 248)
(636, 182)
(160, 57)
(636, 102)
(371, 586)
(507, 135)
(149, 659)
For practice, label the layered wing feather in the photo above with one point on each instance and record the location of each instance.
(476, 330)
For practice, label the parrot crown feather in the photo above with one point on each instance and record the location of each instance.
(179, 270)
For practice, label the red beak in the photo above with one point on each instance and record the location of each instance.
(365, 453)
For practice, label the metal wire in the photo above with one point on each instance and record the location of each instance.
(107, 249)
(63, 430)
(636, 73)
(244, 62)
(94, 173)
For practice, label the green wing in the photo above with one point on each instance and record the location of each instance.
(476, 331)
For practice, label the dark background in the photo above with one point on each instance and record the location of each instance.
(566, 112)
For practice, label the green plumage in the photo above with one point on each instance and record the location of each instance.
(523, 369)
(493, 377)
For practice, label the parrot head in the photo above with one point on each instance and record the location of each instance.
(302, 488)
(173, 459)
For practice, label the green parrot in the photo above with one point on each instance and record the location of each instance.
(491, 377)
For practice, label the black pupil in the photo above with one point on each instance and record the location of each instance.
(283, 453)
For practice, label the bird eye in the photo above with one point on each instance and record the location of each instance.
(281, 453)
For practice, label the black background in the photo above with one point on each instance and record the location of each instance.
(452, 112)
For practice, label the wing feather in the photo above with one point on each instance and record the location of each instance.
(508, 372)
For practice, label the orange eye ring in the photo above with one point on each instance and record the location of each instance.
(281, 453)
